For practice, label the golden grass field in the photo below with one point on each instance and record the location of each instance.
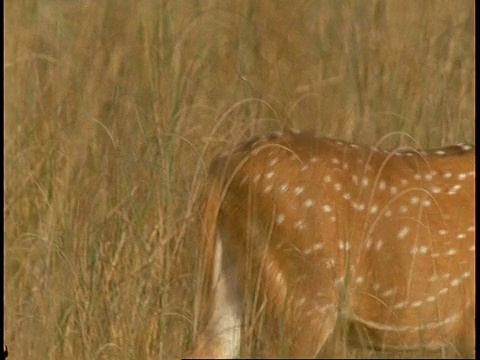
(114, 109)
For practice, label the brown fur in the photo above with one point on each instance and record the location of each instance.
(315, 230)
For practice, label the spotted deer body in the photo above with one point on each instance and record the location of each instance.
(381, 239)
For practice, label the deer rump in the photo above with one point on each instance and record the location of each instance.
(301, 234)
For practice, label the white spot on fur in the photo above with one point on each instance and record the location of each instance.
(382, 185)
(273, 162)
(365, 182)
(309, 203)
(270, 174)
(298, 190)
(414, 200)
(403, 232)
(283, 187)
(326, 208)
(315, 247)
(280, 219)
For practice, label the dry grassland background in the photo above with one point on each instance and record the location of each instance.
(113, 110)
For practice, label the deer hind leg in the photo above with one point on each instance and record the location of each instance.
(221, 337)
(313, 334)
(302, 311)
(307, 341)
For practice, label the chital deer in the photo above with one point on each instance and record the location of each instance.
(381, 239)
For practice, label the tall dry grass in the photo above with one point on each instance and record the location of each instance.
(113, 110)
